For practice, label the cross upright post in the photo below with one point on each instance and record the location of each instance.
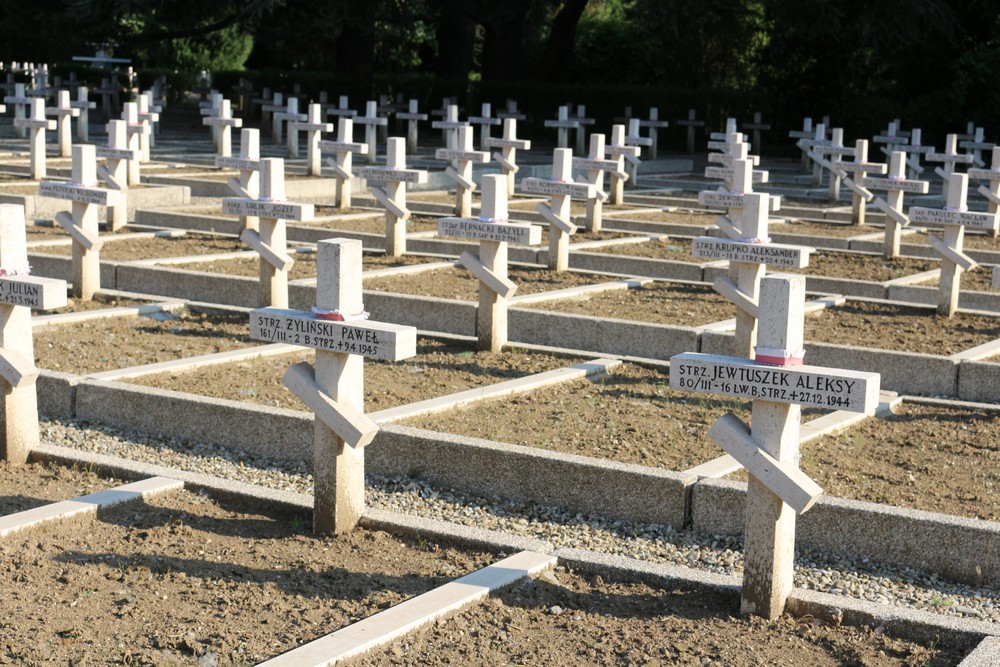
(339, 329)
(313, 127)
(462, 158)
(392, 196)
(37, 124)
(343, 148)
(270, 242)
(494, 231)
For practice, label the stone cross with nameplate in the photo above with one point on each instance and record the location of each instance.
(834, 147)
(392, 195)
(778, 384)
(563, 124)
(371, 121)
(114, 171)
(691, 123)
(950, 157)
(619, 151)
(859, 167)
(494, 231)
(595, 164)
(807, 133)
(286, 115)
(992, 176)
(136, 130)
(148, 115)
(64, 113)
(485, 120)
(635, 138)
(449, 126)
(20, 101)
(339, 330)
(462, 158)
(272, 209)
(20, 293)
(222, 122)
(507, 157)
(412, 116)
(511, 111)
(84, 104)
(342, 110)
(895, 184)
(583, 122)
(81, 223)
(248, 164)
(343, 149)
(313, 127)
(955, 217)
(270, 105)
(977, 144)
(561, 189)
(757, 126)
(653, 124)
(37, 124)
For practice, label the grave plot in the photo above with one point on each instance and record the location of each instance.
(866, 267)
(106, 343)
(979, 279)
(439, 368)
(454, 283)
(629, 415)
(101, 301)
(655, 301)
(304, 266)
(673, 249)
(150, 246)
(223, 583)
(894, 326)
(929, 457)
(376, 224)
(566, 618)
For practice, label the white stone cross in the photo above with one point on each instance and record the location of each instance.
(392, 195)
(955, 217)
(20, 292)
(836, 148)
(84, 104)
(81, 224)
(748, 254)
(595, 165)
(977, 144)
(462, 158)
(150, 116)
(342, 149)
(893, 138)
(212, 109)
(290, 114)
(248, 164)
(222, 123)
(313, 127)
(371, 120)
(859, 167)
(757, 126)
(114, 172)
(270, 242)
(779, 385)
(735, 149)
(654, 125)
(950, 157)
(412, 117)
(493, 231)
(807, 133)
(690, 123)
(485, 120)
(992, 177)
(634, 138)
(37, 124)
(269, 104)
(561, 188)
(449, 126)
(109, 92)
(507, 157)
(511, 111)
(20, 101)
(136, 130)
(618, 150)
(342, 109)
(732, 197)
(808, 146)
(895, 185)
(64, 113)
(581, 130)
(913, 151)
(339, 331)
(563, 124)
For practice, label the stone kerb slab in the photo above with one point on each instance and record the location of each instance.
(904, 537)
(36, 206)
(928, 295)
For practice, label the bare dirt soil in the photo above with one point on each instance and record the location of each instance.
(872, 268)
(126, 249)
(677, 250)
(457, 283)
(304, 266)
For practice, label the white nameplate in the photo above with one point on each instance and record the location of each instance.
(116, 153)
(943, 217)
(814, 386)
(772, 254)
(950, 157)
(727, 172)
(890, 139)
(541, 186)
(984, 174)
(33, 291)
(271, 210)
(239, 163)
(462, 156)
(877, 167)
(34, 124)
(508, 143)
(78, 193)
(490, 231)
(384, 175)
(720, 199)
(621, 150)
(900, 185)
(600, 165)
(342, 147)
(376, 340)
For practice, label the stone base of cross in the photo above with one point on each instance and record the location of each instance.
(493, 231)
(341, 334)
(392, 196)
(955, 217)
(247, 185)
(270, 241)
(779, 385)
(20, 292)
(561, 189)
(462, 158)
(82, 223)
(343, 148)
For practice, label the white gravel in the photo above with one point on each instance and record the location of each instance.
(832, 573)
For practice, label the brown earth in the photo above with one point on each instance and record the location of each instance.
(304, 266)
(376, 224)
(99, 302)
(827, 229)
(873, 268)
(457, 283)
(190, 244)
(677, 250)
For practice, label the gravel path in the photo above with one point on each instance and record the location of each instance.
(831, 573)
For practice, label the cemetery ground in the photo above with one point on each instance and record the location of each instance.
(474, 446)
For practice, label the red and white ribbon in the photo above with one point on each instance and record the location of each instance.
(337, 316)
(776, 356)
